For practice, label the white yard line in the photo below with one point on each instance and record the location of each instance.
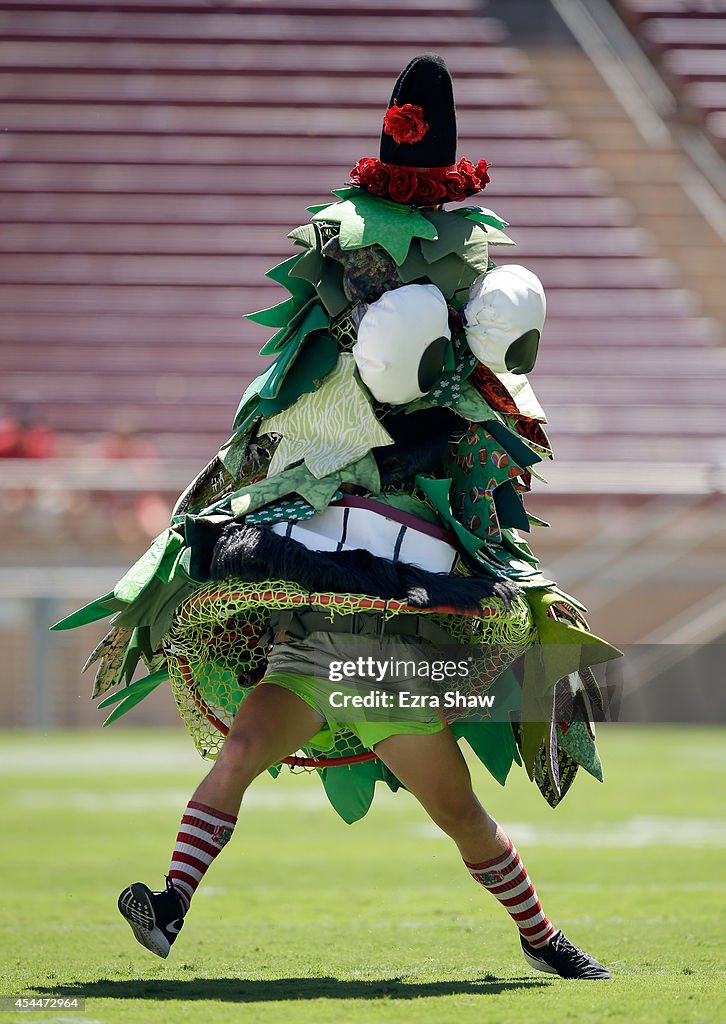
(634, 833)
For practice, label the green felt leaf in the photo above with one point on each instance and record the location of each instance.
(326, 277)
(279, 340)
(519, 547)
(452, 234)
(346, 191)
(132, 695)
(156, 605)
(493, 742)
(308, 266)
(367, 220)
(299, 480)
(305, 235)
(330, 287)
(247, 408)
(274, 316)
(512, 443)
(130, 586)
(315, 319)
(281, 274)
(301, 292)
(316, 357)
(510, 507)
(350, 789)
(267, 384)
(437, 491)
(481, 215)
(317, 207)
(450, 274)
(101, 608)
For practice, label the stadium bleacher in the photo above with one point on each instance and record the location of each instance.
(156, 154)
(686, 39)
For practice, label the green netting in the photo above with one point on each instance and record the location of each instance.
(216, 648)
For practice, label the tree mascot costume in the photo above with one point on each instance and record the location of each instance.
(372, 488)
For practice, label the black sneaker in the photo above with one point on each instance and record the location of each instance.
(156, 918)
(559, 956)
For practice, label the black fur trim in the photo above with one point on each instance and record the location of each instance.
(254, 553)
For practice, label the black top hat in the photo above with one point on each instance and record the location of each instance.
(418, 164)
(423, 90)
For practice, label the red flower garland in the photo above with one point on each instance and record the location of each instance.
(421, 187)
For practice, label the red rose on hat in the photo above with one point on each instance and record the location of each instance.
(455, 186)
(467, 170)
(481, 172)
(361, 169)
(405, 124)
(430, 190)
(402, 184)
(371, 173)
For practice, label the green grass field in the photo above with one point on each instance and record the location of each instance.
(303, 918)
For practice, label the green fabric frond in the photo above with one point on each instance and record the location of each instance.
(450, 274)
(155, 560)
(326, 277)
(367, 220)
(299, 480)
(313, 361)
(301, 292)
(561, 650)
(132, 695)
(437, 492)
(493, 742)
(492, 223)
(267, 384)
(305, 236)
(101, 608)
(512, 443)
(456, 236)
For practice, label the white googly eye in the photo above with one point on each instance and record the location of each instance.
(402, 343)
(504, 317)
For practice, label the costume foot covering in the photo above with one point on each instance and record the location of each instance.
(507, 879)
(203, 832)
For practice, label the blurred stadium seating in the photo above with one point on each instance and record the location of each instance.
(155, 155)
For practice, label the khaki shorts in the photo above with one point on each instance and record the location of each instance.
(301, 666)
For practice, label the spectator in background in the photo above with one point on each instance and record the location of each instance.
(124, 440)
(142, 513)
(24, 436)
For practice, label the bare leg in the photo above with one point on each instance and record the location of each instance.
(433, 769)
(271, 723)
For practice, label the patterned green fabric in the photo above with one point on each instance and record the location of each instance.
(328, 429)
(299, 480)
(292, 510)
(478, 465)
(367, 273)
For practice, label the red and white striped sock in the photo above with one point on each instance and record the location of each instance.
(507, 879)
(202, 835)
